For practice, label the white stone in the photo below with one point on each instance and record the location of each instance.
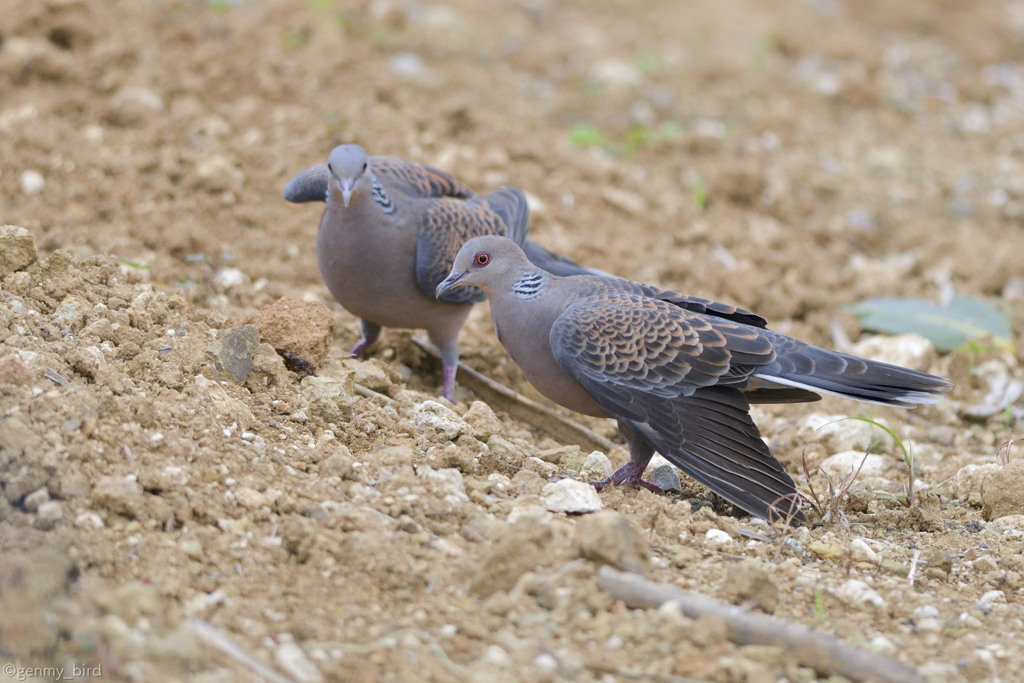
(570, 495)
(142, 97)
(716, 538)
(228, 278)
(859, 594)
(860, 551)
(990, 598)
(494, 655)
(32, 182)
(882, 645)
(842, 433)
(408, 64)
(433, 415)
(202, 604)
(290, 657)
(849, 462)
(546, 662)
(1010, 527)
(534, 513)
(906, 350)
(448, 482)
(36, 498)
(969, 481)
(192, 548)
(88, 520)
(250, 498)
(48, 514)
(596, 466)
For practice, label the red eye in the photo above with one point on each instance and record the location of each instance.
(483, 258)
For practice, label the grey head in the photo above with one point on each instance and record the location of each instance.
(490, 262)
(348, 166)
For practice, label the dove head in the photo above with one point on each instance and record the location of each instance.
(488, 262)
(348, 166)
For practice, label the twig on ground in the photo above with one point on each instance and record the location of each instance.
(518, 406)
(223, 642)
(56, 377)
(824, 653)
(639, 675)
(373, 395)
(389, 641)
(913, 566)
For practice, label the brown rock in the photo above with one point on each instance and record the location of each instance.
(121, 495)
(302, 328)
(521, 547)
(482, 420)
(14, 370)
(233, 351)
(17, 249)
(751, 583)
(1002, 494)
(608, 537)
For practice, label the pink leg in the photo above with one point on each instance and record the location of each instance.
(371, 331)
(448, 388)
(640, 453)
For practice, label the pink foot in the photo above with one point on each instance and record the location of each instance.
(630, 473)
(359, 349)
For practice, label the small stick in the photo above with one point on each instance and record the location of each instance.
(913, 566)
(222, 642)
(55, 376)
(374, 395)
(824, 653)
(518, 406)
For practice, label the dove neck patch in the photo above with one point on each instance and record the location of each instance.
(382, 198)
(528, 286)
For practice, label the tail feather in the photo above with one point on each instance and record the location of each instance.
(511, 206)
(810, 368)
(555, 263)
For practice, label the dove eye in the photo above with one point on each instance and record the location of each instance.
(483, 258)
(364, 167)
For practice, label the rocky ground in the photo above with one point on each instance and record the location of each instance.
(171, 483)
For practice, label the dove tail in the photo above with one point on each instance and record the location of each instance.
(308, 186)
(830, 372)
(555, 263)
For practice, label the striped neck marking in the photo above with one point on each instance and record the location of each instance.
(381, 197)
(528, 286)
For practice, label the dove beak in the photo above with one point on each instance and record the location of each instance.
(449, 283)
(347, 188)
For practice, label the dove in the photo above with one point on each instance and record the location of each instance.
(678, 373)
(389, 233)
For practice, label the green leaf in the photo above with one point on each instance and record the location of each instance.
(947, 327)
(585, 135)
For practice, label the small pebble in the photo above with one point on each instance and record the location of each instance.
(666, 478)
(48, 515)
(716, 538)
(859, 594)
(290, 657)
(596, 467)
(570, 495)
(32, 182)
